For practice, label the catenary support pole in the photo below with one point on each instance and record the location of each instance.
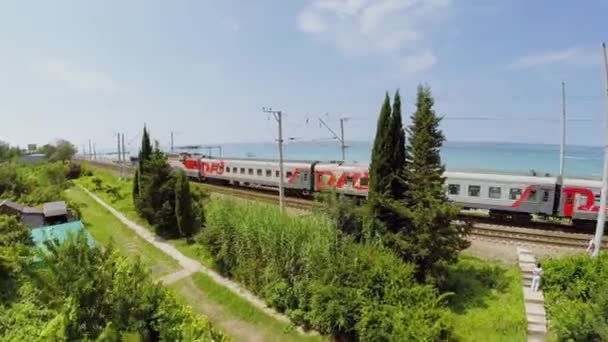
(124, 152)
(119, 155)
(278, 115)
(562, 150)
(601, 217)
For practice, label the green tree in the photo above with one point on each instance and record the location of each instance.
(184, 211)
(135, 190)
(397, 143)
(63, 151)
(157, 195)
(145, 153)
(427, 237)
(8, 152)
(13, 232)
(379, 169)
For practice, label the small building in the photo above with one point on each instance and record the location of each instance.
(55, 212)
(32, 217)
(51, 213)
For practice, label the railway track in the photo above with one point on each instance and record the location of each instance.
(543, 234)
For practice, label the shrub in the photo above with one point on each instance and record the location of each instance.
(576, 297)
(322, 279)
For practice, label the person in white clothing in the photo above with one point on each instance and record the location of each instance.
(536, 273)
(591, 246)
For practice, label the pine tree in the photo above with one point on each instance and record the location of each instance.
(380, 168)
(184, 211)
(428, 238)
(397, 144)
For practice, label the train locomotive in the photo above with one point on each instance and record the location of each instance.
(511, 198)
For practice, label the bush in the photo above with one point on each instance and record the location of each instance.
(576, 297)
(322, 279)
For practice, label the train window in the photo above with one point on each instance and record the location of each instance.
(545, 196)
(228, 169)
(268, 173)
(242, 170)
(494, 192)
(305, 176)
(259, 172)
(277, 173)
(250, 171)
(349, 180)
(364, 181)
(532, 196)
(234, 170)
(288, 174)
(514, 193)
(474, 190)
(453, 189)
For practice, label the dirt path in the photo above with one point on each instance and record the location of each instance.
(238, 330)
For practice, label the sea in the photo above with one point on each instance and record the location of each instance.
(494, 157)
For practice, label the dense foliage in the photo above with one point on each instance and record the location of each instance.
(321, 278)
(34, 184)
(162, 196)
(576, 297)
(8, 152)
(408, 208)
(74, 291)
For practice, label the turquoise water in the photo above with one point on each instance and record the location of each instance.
(581, 161)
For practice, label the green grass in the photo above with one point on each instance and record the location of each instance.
(234, 306)
(488, 302)
(104, 227)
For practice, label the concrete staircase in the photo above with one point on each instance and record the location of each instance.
(533, 301)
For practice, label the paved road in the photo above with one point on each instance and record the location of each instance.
(190, 266)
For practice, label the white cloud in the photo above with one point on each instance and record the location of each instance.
(393, 28)
(77, 77)
(577, 55)
(419, 62)
(311, 22)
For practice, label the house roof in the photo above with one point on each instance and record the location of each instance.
(54, 209)
(32, 210)
(12, 205)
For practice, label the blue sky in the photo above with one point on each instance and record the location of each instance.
(81, 70)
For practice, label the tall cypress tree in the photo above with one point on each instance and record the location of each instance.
(184, 211)
(145, 152)
(397, 145)
(380, 168)
(430, 240)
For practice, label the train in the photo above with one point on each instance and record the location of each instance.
(510, 198)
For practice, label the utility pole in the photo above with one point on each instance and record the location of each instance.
(94, 152)
(601, 217)
(90, 150)
(118, 137)
(171, 141)
(340, 138)
(124, 152)
(562, 150)
(278, 116)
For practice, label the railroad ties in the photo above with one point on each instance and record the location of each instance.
(534, 302)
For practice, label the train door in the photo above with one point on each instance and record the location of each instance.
(546, 197)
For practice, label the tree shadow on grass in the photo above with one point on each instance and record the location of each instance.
(472, 282)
